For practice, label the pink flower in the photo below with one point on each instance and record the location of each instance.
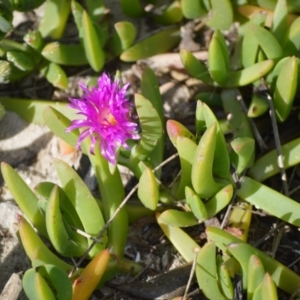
(105, 110)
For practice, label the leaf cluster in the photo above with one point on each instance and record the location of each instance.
(218, 164)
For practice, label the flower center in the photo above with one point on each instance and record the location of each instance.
(106, 116)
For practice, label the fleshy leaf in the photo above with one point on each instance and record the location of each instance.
(55, 17)
(36, 250)
(159, 42)
(65, 54)
(184, 244)
(36, 287)
(194, 67)
(178, 218)
(25, 197)
(283, 277)
(151, 127)
(218, 58)
(56, 228)
(55, 75)
(87, 281)
(192, 9)
(270, 200)
(267, 166)
(87, 210)
(92, 45)
(196, 205)
(285, 89)
(202, 170)
(58, 279)
(220, 15)
(148, 191)
(206, 272)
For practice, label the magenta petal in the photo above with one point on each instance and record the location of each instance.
(105, 112)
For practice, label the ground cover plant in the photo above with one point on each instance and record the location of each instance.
(235, 165)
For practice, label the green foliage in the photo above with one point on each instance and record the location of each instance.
(217, 157)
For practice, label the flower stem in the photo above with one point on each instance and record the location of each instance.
(112, 194)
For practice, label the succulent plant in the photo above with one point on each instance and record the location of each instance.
(219, 168)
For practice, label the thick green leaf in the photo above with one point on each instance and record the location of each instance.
(291, 42)
(65, 54)
(250, 48)
(268, 288)
(57, 232)
(243, 153)
(267, 166)
(68, 211)
(5, 25)
(186, 150)
(258, 106)
(206, 272)
(158, 42)
(112, 193)
(238, 121)
(224, 279)
(249, 74)
(267, 42)
(123, 38)
(55, 17)
(219, 201)
(218, 58)
(58, 124)
(283, 277)
(221, 165)
(58, 279)
(196, 205)
(194, 67)
(240, 219)
(184, 244)
(32, 110)
(176, 130)
(55, 75)
(285, 89)
(151, 127)
(148, 191)
(257, 293)
(178, 218)
(92, 45)
(280, 20)
(192, 9)
(9, 44)
(34, 40)
(270, 201)
(25, 197)
(77, 11)
(170, 15)
(202, 170)
(36, 250)
(87, 210)
(36, 287)
(20, 60)
(150, 90)
(10, 73)
(220, 14)
(256, 273)
(273, 75)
